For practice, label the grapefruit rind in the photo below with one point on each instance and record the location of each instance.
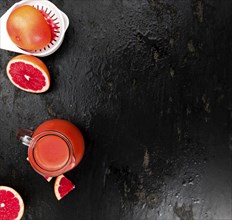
(16, 194)
(57, 185)
(16, 25)
(45, 73)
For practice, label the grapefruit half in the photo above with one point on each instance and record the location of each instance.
(62, 186)
(28, 29)
(28, 73)
(11, 204)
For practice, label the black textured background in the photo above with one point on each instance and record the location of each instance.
(148, 82)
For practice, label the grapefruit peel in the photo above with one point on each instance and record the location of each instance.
(11, 204)
(17, 69)
(62, 187)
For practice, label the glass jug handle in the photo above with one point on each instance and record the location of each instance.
(24, 136)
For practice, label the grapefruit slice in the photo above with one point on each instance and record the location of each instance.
(28, 73)
(11, 204)
(62, 186)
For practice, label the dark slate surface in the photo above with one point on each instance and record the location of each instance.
(149, 84)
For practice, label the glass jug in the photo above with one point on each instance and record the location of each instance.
(55, 147)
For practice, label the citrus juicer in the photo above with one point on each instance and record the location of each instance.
(55, 16)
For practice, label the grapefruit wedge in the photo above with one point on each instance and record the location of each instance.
(63, 186)
(11, 204)
(28, 73)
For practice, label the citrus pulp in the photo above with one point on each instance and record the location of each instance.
(62, 186)
(11, 204)
(28, 73)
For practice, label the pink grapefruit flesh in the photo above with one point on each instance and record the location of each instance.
(28, 73)
(63, 186)
(11, 204)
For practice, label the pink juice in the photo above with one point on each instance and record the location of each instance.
(57, 147)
